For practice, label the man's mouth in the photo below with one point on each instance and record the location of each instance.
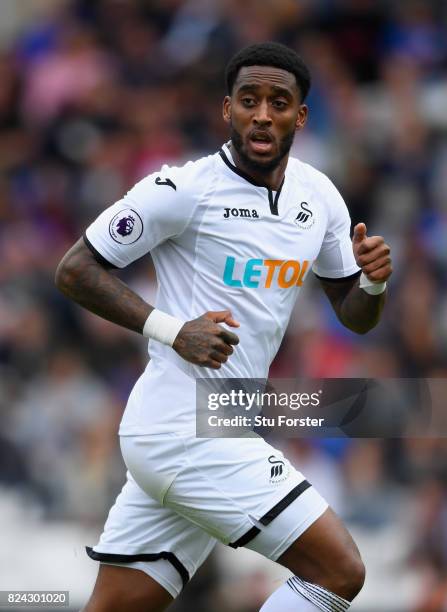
(261, 142)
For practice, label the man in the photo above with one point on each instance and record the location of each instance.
(232, 237)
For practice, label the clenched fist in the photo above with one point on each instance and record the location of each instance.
(203, 342)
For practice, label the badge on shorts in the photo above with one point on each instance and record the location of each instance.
(279, 471)
(126, 226)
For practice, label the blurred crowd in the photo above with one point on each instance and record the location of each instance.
(95, 95)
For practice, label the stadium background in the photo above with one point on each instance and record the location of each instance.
(93, 96)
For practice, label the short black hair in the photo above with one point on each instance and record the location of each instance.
(269, 54)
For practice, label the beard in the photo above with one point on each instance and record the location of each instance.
(257, 165)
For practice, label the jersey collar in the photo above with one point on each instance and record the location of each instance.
(273, 196)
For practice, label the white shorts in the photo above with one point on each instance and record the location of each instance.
(183, 493)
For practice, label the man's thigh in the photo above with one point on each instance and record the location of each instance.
(286, 523)
(244, 494)
(121, 588)
(327, 556)
(235, 489)
(150, 543)
(325, 545)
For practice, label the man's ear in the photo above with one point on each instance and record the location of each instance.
(226, 109)
(302, 117)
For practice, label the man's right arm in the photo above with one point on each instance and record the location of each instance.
(92, 285)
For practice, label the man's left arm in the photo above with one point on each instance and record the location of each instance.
(359, 302)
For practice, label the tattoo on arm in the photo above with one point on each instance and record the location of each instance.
(80, 277)
(356, 309)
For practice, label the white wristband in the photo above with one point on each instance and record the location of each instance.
(370, 286)
(162, 327)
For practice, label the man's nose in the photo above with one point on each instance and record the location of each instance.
(262, 116)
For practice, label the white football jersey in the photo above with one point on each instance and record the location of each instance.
(220, 241)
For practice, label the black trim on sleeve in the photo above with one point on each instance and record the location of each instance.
(99, 258)
(341, 279)
(272, 514)
(168, 556)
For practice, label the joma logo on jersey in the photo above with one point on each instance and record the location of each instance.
(279, 272)
(245, 213)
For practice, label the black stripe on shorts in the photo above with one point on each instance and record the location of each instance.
(168, 556)
(271, 514)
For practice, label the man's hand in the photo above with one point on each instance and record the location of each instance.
(203, 342)
(357, 308)
(371, 254)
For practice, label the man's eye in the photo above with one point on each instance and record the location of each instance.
(248, 102)
(279, 104)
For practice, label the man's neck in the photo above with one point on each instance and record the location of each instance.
(271, 179)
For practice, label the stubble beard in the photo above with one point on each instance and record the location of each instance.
(260, 166)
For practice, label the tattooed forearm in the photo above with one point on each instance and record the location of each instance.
(356, 309)
(84, 280)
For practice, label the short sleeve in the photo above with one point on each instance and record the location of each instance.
(155, 209)
(336, 258)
